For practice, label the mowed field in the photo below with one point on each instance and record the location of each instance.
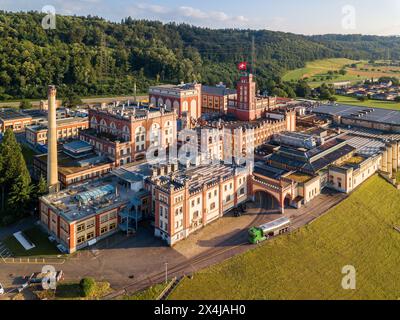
(307, 264)
(316, 72)
(368, 103)
(317, 67)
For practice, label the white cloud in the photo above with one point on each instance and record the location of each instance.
(192, 13)
(153, 8)
(219, 16)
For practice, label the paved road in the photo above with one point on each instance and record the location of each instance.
(131, 264)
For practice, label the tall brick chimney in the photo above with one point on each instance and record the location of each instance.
(52, 162)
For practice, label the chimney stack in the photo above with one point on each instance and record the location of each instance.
(52, 162)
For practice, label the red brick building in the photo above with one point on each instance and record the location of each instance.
(67, 128)
(125, 134)
(13, 119)
(215, 99)
(248, 106)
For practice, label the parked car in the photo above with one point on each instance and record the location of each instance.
(1, 289)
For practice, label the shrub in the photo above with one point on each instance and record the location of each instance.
(88, 287)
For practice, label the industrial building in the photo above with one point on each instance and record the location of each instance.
(80, 216)
(184, 98)
(14, 120)
(301, 165)
(67, 128)
(124, 133)
(371, 118)
(77, 162)
(187, 200)
(215, 99)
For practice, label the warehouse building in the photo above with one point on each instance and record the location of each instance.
(67, 128)
(371, 118)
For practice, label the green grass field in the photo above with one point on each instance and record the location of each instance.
(307, 264)
(150, 294)
(316, 72)
(44, 248)
(317, 67)
(368, 103)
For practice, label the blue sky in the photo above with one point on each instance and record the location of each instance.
(299, 16)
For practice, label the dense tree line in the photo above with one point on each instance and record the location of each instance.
(90, 56)
(18, 194)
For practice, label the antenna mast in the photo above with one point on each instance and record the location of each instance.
(253, 55)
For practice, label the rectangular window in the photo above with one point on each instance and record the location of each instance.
(113, 226)
(103, 230)
(212, 206)
(80, 227)
(90, 236)
(80, 240)
(113, 215)
(104, 218)
(90, 224)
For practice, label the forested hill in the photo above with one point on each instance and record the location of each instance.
(91, 56)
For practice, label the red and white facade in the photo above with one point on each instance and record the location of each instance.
(248, 106)
(126, 139)
(185, 98)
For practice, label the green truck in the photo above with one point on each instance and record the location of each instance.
(270, 229)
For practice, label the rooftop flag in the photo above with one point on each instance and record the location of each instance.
(242, 66)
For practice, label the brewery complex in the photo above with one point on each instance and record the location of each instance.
(175, 163)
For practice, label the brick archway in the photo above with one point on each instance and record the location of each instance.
(278, 191)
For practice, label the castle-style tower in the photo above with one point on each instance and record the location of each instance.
(52, 162)
(246, 98)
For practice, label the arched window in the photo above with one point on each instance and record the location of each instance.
(155, 134)
(185, 106)
(103, 125)
(126, 133)
(93, 122)
(168, 103)
(113, 128)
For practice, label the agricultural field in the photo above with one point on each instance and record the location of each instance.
(308, 263)
(317, 72)
(368, 103)
(317, 67)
